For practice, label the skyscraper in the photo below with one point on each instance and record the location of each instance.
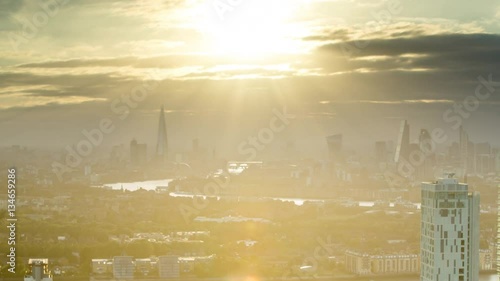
(425, 171)
(403, 148)
(138, 153)
(334, 143)
(335, 156)
(463, 143)
(380, 151)
(425, 141)
(484, 158)
(449, 239)
(162, 143)
(467, 152)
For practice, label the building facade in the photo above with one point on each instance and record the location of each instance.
(486, 259)
(168, 267)
(123, 267)
(138, 153)
(102, 266)
(358, 263)
(366, 264)
(449, 243)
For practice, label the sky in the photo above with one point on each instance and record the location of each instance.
(221, 68)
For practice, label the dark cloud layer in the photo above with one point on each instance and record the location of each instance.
(362, 87)
(429, 45)
(435, 67)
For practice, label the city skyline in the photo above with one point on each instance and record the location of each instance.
(324, 64)
(250, 140)
(310, 145)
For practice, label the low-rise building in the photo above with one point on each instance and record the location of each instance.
(168, 267)
(358, 263)
(146, 267)
(366, 264)
(102, 266)
(392, 264)
(123, 267)
(188, 264)
(486, 259)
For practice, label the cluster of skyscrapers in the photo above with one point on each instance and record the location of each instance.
(479, 158)
(463, 156)
(423, 159)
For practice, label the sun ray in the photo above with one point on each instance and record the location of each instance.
(249, 28)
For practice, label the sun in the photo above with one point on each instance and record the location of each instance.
(248, 28)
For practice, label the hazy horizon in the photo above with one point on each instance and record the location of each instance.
(353, 67)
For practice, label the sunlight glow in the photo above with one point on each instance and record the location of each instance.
(247, 28)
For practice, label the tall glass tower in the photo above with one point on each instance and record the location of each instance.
(403, 148)
(449, 239)
(162, 143)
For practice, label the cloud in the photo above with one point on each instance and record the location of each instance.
(449, 58)
(432, 45)
(165, 61)
(429, 69)
(332, 35)
(8, 101)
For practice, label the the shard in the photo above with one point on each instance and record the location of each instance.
(162, 143)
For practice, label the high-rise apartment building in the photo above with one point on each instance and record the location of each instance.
(334, 143)
(425, 171)
(464, 146)
(449, 239)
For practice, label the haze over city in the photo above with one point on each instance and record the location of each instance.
(249, 140)
(222, 69)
